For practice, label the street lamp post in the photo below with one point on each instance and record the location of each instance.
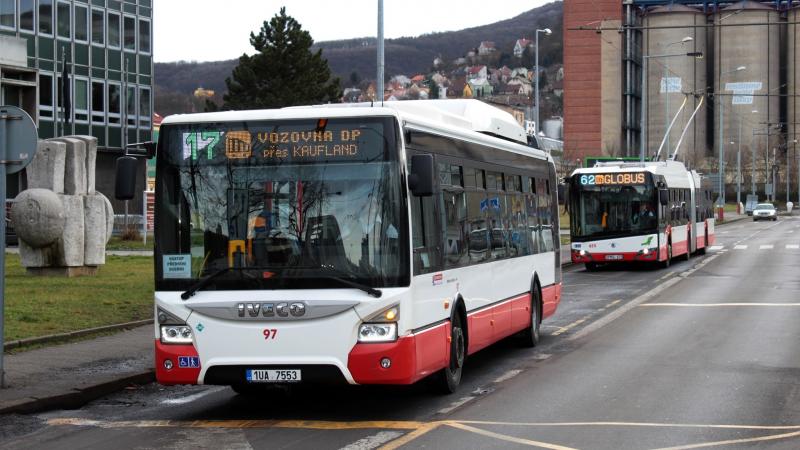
(721, 198)
(547, 32)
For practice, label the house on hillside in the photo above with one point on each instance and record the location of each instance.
(460, 61)
(481, 87)
(418, 80)
(520, 72)
(439, 79)
(486, 47)
(520, 46)
(476, 72)
(401, 79)
(521, 85)
(438, 61)
(351, 95)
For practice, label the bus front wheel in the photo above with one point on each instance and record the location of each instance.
(591, 267)
(450, 376)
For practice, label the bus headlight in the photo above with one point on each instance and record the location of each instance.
(377, 332)
(176, 334)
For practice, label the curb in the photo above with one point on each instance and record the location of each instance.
(77, 397)
(21, 343)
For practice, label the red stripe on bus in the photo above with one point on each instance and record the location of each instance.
(176, 375)
(551, 297)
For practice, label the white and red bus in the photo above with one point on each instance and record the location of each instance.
(634, 212)
(368, 245)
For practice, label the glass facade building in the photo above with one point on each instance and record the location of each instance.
(107, 46)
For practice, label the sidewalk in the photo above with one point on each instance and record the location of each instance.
(70, 375)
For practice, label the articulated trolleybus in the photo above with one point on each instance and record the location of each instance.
(642, 212)
(361, 244)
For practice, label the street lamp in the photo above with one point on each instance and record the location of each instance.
(547, 32)
(667, 85)
(643, 125)
(721, 198)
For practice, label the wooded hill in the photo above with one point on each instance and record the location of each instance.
(175, 82)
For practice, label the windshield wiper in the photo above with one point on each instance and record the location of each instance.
(203, 282)
(337, 276)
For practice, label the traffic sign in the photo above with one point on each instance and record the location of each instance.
(18, 142)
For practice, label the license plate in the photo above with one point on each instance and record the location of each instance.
(272, 376)
(613, 257)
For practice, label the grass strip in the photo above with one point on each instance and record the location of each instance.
(122, 291)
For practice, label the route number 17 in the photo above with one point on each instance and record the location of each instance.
(195, 142)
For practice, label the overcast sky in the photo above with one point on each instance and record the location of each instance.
(214, 30)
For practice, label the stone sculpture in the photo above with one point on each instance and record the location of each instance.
(62, 223)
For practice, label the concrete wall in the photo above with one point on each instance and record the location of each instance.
(611, 89)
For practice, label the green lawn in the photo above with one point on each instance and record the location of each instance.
(117, 243)
(121, 292)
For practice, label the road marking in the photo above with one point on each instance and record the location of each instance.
(455, 404)
(612, 304)
(507, 438)
(406, 438)
(566, 328)
(508, 375)
(633, 424)
(740, 247)
(792, 247)
(374, 441)
(734, 441)
(766, 247)
(715, 248)
(666, 275)
(302, 424)
(613, 315)
(712, 305)
(193, 397)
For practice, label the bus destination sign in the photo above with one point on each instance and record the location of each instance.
(612, 179)
(293, 144)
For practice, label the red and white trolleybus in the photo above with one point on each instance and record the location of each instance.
(368, 245)
(642, 212)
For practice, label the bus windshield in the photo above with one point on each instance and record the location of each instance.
(287, 204)
(612, 209)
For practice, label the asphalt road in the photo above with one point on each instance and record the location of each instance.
(705, 354)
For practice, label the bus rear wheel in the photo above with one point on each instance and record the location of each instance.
(591, 267)
(450, 376)
(530, 336)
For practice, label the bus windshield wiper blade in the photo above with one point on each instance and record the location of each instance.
(203, 282)
(355, 284)
(337, 276)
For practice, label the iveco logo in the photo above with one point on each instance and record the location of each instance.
(613, 245)
(283, 309)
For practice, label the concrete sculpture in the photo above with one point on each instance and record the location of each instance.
(63, 224)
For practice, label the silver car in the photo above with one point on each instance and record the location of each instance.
(765, 211)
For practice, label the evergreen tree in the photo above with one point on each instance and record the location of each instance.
(282, 72)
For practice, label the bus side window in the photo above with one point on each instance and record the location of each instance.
(545, 216)
(427, 256)
(454, 221)
(532, 213)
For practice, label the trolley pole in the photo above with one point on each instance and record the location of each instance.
(380, 51)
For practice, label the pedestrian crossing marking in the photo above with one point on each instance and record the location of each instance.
(766, 247)
(792, 247)
(740, 247)
(715, 248)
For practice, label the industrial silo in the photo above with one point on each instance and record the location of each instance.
(747, 56)
(674, 31)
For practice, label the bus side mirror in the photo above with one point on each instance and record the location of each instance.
(663, 197)
(149, 148)
(420, 179)
(125, 183)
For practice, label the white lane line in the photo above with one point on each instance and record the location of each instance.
(740, 247)
(191, 398)
(508, 375)
(714, 305)
(374, 441)
(714, 248)
(766, 247)
(455, 405)
(792, 247)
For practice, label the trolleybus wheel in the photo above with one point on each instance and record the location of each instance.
(450, 376)
(665, 263)
(530, 336)
(688, 254)
(591, 267)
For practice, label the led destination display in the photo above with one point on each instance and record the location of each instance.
(612, 179)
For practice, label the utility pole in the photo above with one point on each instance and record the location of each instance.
(380, 51)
